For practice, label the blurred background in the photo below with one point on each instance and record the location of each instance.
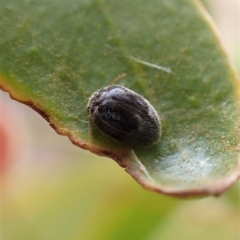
(51, 189)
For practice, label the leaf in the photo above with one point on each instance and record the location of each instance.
(55, 54)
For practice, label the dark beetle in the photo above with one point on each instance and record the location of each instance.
(125, 116)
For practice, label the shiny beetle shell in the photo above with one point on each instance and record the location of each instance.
(125, 116)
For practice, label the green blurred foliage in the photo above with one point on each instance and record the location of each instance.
(93, 199)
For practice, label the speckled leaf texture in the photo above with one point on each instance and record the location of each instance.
(54, 54)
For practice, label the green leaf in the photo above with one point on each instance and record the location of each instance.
(55, 54)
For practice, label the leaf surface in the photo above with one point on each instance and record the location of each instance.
(55, 54)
